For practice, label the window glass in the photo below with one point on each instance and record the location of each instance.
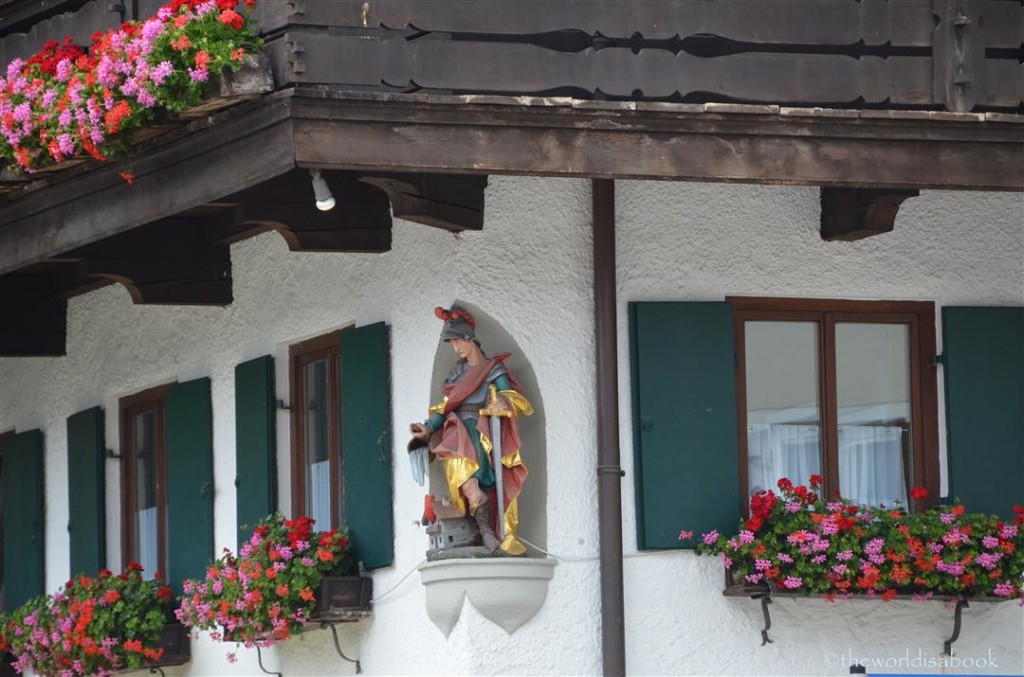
(145, 548)
(317, 441)
(316, 453)
(783, 408)
(143, 499)
(873, 411)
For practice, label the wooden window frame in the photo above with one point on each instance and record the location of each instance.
(299, 355)
(153, 399)
(919, 316)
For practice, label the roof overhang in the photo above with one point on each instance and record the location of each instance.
(511, 135)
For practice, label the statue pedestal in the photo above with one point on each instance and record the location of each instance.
(506, 591)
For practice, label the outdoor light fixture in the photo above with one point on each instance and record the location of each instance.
(324, 199)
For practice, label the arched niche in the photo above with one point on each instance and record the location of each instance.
(495, 339)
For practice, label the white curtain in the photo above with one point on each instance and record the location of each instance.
(870, 459)
(871, 464)
(148, 552)
(776, 450)
(319, 492)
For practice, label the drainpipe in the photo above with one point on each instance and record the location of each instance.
(609, 473)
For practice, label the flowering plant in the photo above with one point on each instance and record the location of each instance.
(266, 592)
(66, 99)
(90, 626)
(802, 543)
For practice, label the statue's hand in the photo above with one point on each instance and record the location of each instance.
(419, 431)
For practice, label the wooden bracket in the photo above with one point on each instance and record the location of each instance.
(856, 213)
(361, 221)
(172, 261)
(449, 201)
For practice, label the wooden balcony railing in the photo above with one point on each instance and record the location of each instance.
(958, 55)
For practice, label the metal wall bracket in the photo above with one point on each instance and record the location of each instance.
(337, 646)
(947, 646)
(259, 659)
(765, 601)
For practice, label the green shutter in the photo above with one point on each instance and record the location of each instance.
(86, 491)
(255, 461)
(684, 421)
(189, 421)
(366, 443)
(23, 510)
(984, 373)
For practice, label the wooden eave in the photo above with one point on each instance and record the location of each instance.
(436, 134)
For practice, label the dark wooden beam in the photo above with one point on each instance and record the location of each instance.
(34, 323)
(359, 222)
(168, 262)
(706, 142)
(445, 201)
(243, 149)
(392, 135)
(856, 213)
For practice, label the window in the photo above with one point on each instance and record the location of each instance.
(341, 448)
(711, 380)
(317, 487)
(143, 479)
(843, 389)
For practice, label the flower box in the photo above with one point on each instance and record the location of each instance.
(68, 102)
(11, 181)
(738, 588)
(343, 598)
(176, 646)
(229, 88)
(269, 590)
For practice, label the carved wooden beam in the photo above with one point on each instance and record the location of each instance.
(856, 213)
(959, 69)
(360, 221)
(170, 262)
(448, 201)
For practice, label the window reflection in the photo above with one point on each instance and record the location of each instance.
(874, 414)
(317, 442)
(783, 411)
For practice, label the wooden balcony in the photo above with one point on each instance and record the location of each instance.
(956, 55)
(406, 106)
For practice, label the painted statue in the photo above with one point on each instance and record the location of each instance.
(475, 423)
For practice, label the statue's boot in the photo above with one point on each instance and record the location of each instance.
(482, 515)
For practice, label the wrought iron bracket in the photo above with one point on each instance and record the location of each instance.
(259, 659)
(765, 597)
(156, 669)
(337, 646)
(765, 601)
(947, 646)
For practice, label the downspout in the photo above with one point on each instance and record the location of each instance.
(609, 473)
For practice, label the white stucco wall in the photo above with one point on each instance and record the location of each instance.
(530, 268)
